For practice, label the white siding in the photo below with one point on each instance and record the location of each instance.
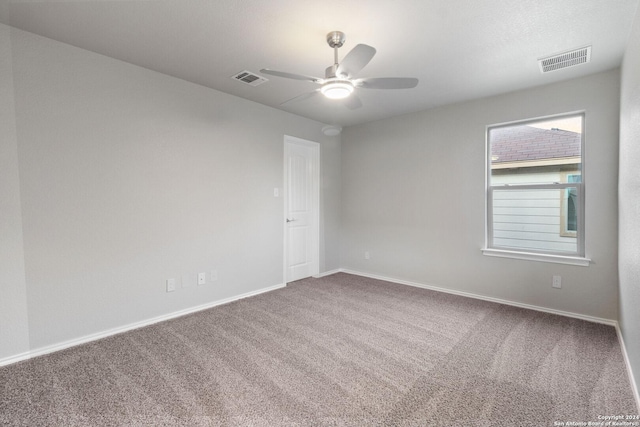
(529, 219)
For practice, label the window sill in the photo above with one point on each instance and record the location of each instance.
(531, 256)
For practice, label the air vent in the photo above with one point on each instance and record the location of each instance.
(566, 59)
(249, 78)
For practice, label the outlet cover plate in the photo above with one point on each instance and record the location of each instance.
(202, 278)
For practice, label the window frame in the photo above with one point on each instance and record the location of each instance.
(490, 249)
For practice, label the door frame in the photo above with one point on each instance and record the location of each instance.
(315, 200)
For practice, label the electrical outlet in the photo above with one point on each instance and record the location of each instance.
(367, 255)
(214, 275)
(171, 285)
(557, 282)
(202, 278)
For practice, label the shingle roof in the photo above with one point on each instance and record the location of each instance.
(526, 143)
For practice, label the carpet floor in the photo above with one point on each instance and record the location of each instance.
(338, 351)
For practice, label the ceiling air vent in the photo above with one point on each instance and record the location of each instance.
(249, 78)
(566, 59)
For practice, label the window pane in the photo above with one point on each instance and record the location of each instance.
(569, 219)
(536, 153)
(572, 216)
(535, 220)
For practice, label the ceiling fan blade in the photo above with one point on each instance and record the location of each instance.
(290, 75)
(355, 60)
(352, 102)
(388, 83)
(302, 97)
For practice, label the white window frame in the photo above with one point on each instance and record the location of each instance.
(490, 249)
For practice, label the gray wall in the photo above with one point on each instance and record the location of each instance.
(629, 200)
(413, 196)
(14, 325)
(128, 177)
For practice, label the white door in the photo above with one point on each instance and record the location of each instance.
(301, 208)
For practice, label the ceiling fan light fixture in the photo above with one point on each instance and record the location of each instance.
(339, 80)
(337, 89)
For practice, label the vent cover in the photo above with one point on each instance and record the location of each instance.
(249, 78)
(566, 59)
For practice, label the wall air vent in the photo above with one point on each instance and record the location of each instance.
(249, 78)
(565, 59)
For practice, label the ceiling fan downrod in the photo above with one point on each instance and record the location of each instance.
(335, 39)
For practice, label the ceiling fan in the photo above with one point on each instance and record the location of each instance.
(339, 81)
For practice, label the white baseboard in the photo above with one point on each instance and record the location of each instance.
(15, 358)
(632, 380)
(327, 273)
(93, 337)
(610, 322)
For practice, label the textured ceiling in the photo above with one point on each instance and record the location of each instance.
(459, 49)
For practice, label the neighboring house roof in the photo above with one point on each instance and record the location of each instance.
(527, 143)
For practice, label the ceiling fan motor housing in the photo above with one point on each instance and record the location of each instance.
(336, 38)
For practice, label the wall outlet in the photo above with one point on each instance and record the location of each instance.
(367, 255)
(557, 282)
(171, 285)
(214, 275)
(202, 278)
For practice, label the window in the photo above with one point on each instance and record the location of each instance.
(569, 218)
(535, 187)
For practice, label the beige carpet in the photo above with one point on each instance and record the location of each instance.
(342, 350)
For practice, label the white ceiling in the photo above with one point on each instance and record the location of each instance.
(459, 49)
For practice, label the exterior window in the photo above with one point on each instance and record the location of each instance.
(569, 219)
(535, 191)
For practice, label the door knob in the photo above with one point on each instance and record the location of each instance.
(290, 220)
